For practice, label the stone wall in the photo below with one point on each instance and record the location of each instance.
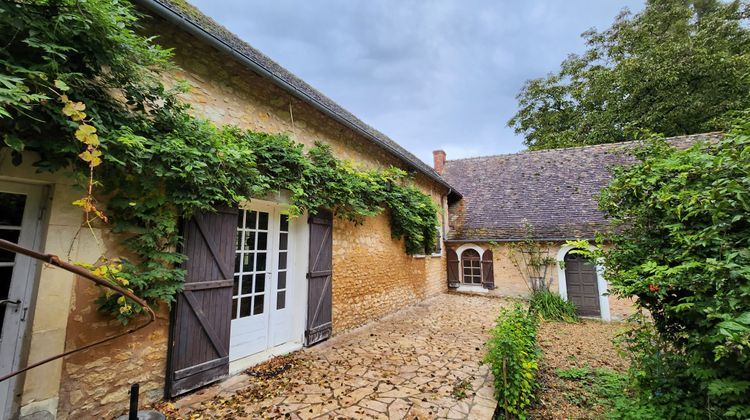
(509, 281)
(372, 274)
(96, 382)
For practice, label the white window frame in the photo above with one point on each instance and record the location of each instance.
(460, 252)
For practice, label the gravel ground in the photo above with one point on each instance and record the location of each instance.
(564, 346)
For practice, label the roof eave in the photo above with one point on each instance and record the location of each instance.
(542, 239)
(180, 21)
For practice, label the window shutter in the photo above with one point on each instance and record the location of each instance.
(488, 272)
(319, 278)
(452, 265)
(198, 351)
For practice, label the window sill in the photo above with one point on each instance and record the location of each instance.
(472, 288)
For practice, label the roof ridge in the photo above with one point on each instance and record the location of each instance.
(587, 146)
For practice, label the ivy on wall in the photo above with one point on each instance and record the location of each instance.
(158, 163)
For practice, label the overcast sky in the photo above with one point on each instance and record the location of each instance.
(429, 74)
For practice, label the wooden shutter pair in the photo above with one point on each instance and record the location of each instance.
(454, 269)
(201, 318)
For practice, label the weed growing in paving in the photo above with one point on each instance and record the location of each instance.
(461, 388)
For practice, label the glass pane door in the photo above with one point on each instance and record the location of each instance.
(251, 264)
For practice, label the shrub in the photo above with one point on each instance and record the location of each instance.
(512, 356)
(680, 246)
(551, 306)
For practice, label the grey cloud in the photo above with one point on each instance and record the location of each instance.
(430, 74)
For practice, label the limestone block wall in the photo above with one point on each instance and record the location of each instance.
(510, 282)
(96, 382)
(93, 383)
(59, 296)
(620, 309)
(372, 276)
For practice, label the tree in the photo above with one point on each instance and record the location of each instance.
(678, 67)
(681, 247)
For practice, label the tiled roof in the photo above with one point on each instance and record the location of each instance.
(189, 17)
(553, 190)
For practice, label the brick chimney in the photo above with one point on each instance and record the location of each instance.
(438, 157)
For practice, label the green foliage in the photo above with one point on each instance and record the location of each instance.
(160, 164)
(677, 67)
(513, 358)
(681, 247)
(460, 389)
(552, 307)
(602, 386)
(532, 259)
(607, 388)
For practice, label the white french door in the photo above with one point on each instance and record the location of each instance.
(261, 318)
(20, 212)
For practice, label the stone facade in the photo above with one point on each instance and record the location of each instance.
(510, 282)
(372, 274)
(96, 382)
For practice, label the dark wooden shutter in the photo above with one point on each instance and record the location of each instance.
(201, 316)
(319, 275)
(488, 271)
(452, 263)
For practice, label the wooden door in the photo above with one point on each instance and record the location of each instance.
(319, 275)
(452, 265)
(581, 284)
(201, 317)
(488, 270)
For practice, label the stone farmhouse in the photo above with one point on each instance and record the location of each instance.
(290, 282)
(551, 191)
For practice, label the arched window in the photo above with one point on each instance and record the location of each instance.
(471, 264)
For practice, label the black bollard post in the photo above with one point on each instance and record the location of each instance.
(134, 389)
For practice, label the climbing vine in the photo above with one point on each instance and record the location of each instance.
(155, 162)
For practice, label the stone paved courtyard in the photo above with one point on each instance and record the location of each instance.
(421, 362)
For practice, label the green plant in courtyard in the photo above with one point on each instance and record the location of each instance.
(66, 64)
(513, 358)
(605, 388)
(681, 247)
(552, 307)
(461, 388)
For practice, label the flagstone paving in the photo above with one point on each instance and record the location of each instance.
(421, 362)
